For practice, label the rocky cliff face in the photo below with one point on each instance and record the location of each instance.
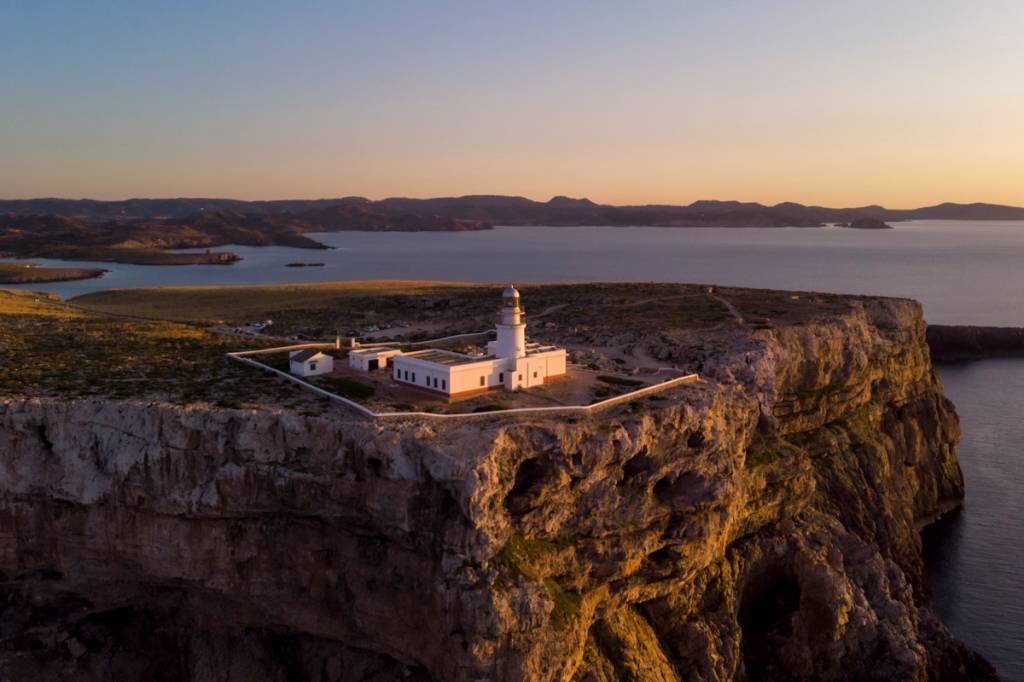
(760, 525)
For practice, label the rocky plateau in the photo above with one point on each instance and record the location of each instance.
(760, 525)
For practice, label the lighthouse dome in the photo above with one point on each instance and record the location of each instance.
(510, 295)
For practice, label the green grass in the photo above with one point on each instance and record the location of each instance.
(567, 605)
(520, 555)
(490, 408)
(344, 386)
(620, 381)
(523, 557)
(764, 451)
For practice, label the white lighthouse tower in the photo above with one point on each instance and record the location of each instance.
(511, 342)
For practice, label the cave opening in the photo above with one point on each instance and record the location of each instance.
(529, 482)
(765, 617)
(661, 555)
(638, 465)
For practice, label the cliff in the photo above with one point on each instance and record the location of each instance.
(760, 525)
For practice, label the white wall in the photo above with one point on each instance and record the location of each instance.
(511, 341)
(467, 377)
(534, 370)
(313, 367)
(361, 361)
(495, 372)
(556, 363)
(421, 373)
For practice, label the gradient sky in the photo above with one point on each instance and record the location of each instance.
(902, 102)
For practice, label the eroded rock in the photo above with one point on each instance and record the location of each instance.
(762, 524)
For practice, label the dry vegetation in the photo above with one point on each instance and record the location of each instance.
(99, 346)
(50, 349)
(302, 307)
(583, 313)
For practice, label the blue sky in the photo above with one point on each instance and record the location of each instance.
(840, 103)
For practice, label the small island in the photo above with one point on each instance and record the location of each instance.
(31, 273)
(866, 224)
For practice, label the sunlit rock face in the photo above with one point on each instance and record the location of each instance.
(760, 525)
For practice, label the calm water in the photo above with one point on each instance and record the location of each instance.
(963, 272)
(975, 559)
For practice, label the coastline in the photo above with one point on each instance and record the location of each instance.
(964, 343)
(31, 273)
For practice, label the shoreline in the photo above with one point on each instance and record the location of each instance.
(31, 273)
(965, 343)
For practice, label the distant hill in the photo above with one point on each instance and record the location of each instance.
(407, 213)
(110, 231)
(961, 212)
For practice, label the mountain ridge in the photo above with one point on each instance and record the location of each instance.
(507, 209)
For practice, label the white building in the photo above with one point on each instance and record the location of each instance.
(511, 362)
(371, 359)
(310, 363)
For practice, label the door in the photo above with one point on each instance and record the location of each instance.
(374, 365)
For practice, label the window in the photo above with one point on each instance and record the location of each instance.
(520, 377)
(435, 382)
(414, 377)
(534, 375)
(444, 385)
(312, 367)
(483, 381)
(501, 377)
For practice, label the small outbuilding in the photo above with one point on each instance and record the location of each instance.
(371, 359)
(310, 363)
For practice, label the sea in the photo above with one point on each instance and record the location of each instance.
(963, 272)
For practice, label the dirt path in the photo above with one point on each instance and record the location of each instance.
(644, 358)
(645, 301)
(730, 307)
(548, 311)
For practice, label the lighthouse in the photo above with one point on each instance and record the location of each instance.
(510, 363)
(511, 341)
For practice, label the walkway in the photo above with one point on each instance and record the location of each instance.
(730, 307)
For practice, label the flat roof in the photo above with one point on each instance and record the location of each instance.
(373, 351)
(443, 357)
